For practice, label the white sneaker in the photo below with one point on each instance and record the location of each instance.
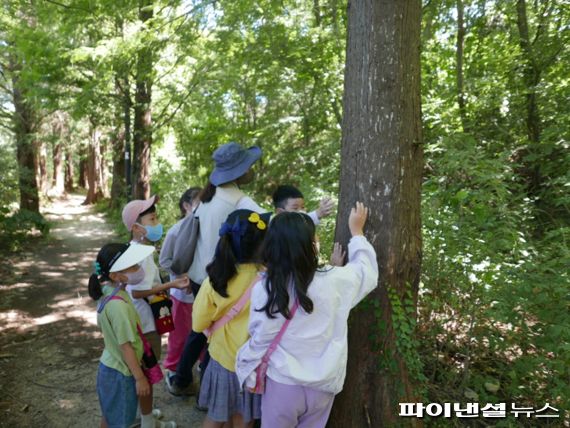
(169, 424)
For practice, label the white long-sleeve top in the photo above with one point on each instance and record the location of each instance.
(313, 351)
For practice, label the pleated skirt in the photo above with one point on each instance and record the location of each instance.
(220, 393)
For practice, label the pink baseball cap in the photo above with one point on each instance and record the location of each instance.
(134, 208)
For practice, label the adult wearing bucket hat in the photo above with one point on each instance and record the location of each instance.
(232, 168)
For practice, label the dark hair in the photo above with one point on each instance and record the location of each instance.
(230, 253)
(106, 257)
(188, 196)
(283, 193)
(290, 255)
(207, 192)
(149, 210)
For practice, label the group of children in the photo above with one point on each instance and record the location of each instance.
(275, 321)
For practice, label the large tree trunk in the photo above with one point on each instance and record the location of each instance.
(23, 121)
(69, 171)
(381, 165)
(143, 121)
(95, 191)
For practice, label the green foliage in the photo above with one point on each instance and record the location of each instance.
(16, 229)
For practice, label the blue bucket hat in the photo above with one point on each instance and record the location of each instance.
(232, 161)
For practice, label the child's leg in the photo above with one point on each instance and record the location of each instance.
(281, 404)
(145, 403)
(238, 422)
(319, 406)
(103, 423)
(182, 318)
(208, 423)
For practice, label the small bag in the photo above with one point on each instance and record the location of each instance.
(261, 370)
(185, 244)
(150, 366)
(161, 307)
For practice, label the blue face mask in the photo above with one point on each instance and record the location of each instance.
(153, 233)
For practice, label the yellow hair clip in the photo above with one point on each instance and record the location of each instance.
(256, 219)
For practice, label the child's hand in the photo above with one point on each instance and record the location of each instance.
(142, 386)
(325, 207)
(357, 219)
(338, 255)
(181, 283)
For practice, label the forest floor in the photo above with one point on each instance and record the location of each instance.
(49, 340)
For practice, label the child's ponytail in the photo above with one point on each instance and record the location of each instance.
(223, 267)
(241, 237)
(94, 288)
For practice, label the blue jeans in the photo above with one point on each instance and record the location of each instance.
(117, 397)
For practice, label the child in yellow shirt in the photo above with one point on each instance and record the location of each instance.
(221, 310)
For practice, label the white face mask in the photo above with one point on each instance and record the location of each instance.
(135, 277)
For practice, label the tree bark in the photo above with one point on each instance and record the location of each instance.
(95, 188)
(23, 125)
(381, 165)
(69, 171)
(83, 169)
(58, 172)
(118, 185)
(459, 65)
(142, 138)
(531, 77)
(41, 166)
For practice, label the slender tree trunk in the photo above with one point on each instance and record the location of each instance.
(459, 65)
(143, 119)
(118, 185)
(531, 75)
(41, 166)
(103, 169)
(23, 121)
(69, 171)
(381, 165)
(58, 172)
(95, 190)
(83, 168)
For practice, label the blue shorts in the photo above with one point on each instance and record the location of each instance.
(117, 397)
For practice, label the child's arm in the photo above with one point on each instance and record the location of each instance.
(130, 358)
(181, 283)
(203, 308)
(361, 257)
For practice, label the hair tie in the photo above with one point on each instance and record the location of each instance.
(98, 270)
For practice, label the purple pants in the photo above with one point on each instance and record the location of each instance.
(290, 406)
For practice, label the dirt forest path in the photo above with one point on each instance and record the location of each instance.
(49, 340)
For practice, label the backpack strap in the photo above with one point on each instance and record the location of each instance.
(107, 299)
(234, 310)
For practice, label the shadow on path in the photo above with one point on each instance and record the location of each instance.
(49, 340)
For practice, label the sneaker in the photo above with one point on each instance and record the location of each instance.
(178, 391)
(200, 408)
(169, 424)
(156, 414)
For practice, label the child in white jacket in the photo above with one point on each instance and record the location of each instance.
(308, 366)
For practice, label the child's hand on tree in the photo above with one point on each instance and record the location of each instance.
(338, 255)
(142, 386)
(325, 207)
(357, 219)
